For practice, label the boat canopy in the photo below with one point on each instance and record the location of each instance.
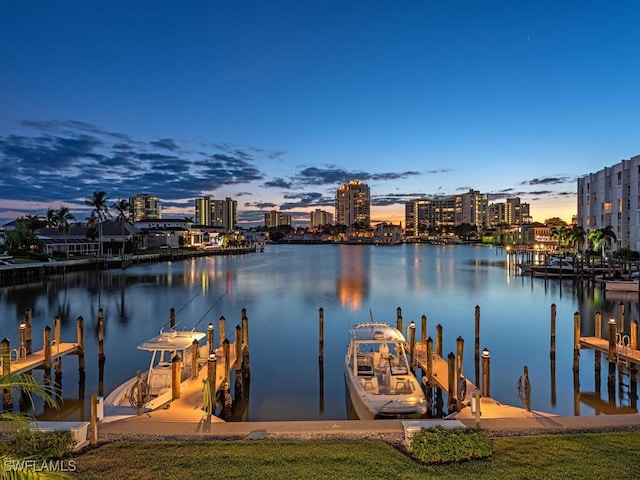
(375, 333)
(171, 340)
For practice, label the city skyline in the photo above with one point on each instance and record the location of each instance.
(276, 105)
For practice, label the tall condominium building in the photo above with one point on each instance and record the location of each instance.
(472, 208)
(510, 212)
(217, 213)
(275, 219)
(230, 214)
(203, 211)
(353, 204)
(321, 217)
(429, 215)
(611, 197)
(145, 207)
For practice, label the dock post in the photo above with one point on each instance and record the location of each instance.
(321, 333)
(597, 325)
(22, 347)
(222, 326)
(429, 359)
(526, 387)
(195, 351)
(486, 373)
(620, 324)
(226, 348)
(439, 340)
(56, 329)
(552, 348)
(176, 365)
(94, 420)
(477, 345)
(27, 334)
(80, 332)
(634, 335)
(212, 347)
(612, 358)
(576, 341)
(399, 318)
(451, 380)
(172, 318)
(612, 341)
(423, 329)
(246, 372)
(476, 398)
(412, 345)
(459, 356)
(46, 346)
(7, 403)
(101, 336)
(211, 378)
(238, 346)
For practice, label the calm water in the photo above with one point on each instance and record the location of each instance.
(283, 289)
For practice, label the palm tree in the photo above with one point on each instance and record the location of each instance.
(124, 213)
(51, 217)
(61, 219)
(561, 235)
(576, 237)
(29, 386)
(99, 203)
(602, 238)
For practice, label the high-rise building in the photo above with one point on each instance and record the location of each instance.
(275, 219)
(472, 208)
(321, 217)
(217, 213)
(510, 212)
(203, 211)
(353, 204)
(229, 214)
(145, 207)
(611, 197)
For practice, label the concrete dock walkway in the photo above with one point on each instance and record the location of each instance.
(145, 427)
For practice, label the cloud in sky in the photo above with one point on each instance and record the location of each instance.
(49, 163)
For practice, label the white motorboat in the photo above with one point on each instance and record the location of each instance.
(377, 374)
(153, 388)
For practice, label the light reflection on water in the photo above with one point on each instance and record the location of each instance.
(283, 289)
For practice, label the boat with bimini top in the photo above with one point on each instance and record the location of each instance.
(377, 374)
(153, 388)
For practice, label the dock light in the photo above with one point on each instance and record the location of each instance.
(210, 327)
(22, 352)
(485, 353)
(612, 321)
(212, 357)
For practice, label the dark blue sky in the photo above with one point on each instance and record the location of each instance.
(277, 103)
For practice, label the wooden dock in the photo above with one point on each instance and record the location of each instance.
(624, 352)
(38, 360)
(489, 407)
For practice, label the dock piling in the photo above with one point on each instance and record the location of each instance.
(412, 345)
(321, 333)
(439, 340)
(27, 321)
(423, 329)
(486, 373)
(576, 341)
(7, 403)
(552, 347)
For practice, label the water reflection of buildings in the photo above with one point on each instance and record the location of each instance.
(352, 279)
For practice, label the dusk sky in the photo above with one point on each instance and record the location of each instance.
(277, 103)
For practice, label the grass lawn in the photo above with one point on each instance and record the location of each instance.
(575, 456)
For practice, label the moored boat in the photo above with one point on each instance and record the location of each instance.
(555, 267)
(153, 388)
(377, 374)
